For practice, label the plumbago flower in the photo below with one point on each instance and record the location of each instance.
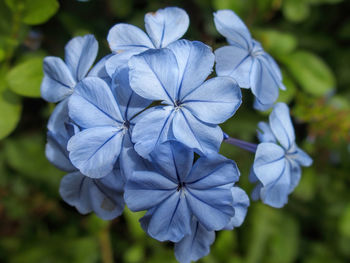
(186, 203)
(278, 159)
(106, 116)
(102, 196)
(61, 77)
(191, 107)
(163, 27)
(246, 61)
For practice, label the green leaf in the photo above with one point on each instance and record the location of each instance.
(313, 75)
(276, 42)
(344, 222)
(25, 78)
(295, 10)
(34, 12)
(10, 112)
(239, 6)
(288, 94)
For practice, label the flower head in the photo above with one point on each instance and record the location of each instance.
(191, 107)
(278, 159)
(246, 61)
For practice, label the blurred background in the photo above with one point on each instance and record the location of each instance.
(310, 39)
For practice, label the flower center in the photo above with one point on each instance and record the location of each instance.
(125, 126)
(177, 105)
(180, 186)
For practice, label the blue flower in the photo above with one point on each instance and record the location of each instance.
(246, 61)
(190, 109)
(103, 196)
(61, 77)
(105, 116)
(278, 159)
(177, 190)
(163, 27)
(197, 245)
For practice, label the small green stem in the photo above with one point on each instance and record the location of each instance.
(105, 245)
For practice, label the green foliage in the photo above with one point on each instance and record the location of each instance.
(25, 78)
(10, 108)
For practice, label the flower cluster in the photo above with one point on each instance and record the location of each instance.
(129, 129)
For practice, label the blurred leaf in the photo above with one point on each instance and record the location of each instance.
(240, 7)
(276, 42)
(225, 242)
(344, 222)
(313, 75)
(134, 254)
(288, 94)
(307, 186)
(25, 78)
(295, 10)
(324, 1)
(134, 226)
(26, 155)
(10, 112)
(34, 12)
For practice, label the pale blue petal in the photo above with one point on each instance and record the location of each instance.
(215, 100)
(276, 193)
(265, 133)
(195, 61)
(154, 75)
(235, 62)
(93, 104)
(171, 220)
(99, 70)
(275, 69)
(128, 101)
(269, 162)
(212, 207)
(240, 205)
(151, 128)
(58, 83)
(123, 37)
(301, 157)
(196, 245)
(295, 175)
(173, 159)
(129, 160)
(263, 84)
(80, 54)
(74, 190)
(106, 195)
(232, 27)
(261, 107)
(281, 125)
(146, 189)
(94, 151)
(213, 170)
(166, 25)
(203, 138)
(120, 61)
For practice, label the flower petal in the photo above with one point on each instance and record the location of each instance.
(203, 138)
(151, 128)
(235, 62)
(128, 101)
(265, 133)
(173, 159)
(276, 193)
(93, 105)
(281, 125)
(240, 205)
(195, 61)
(80, 54)
(117, 62)
(166, 25)
(213, 170)
(103, 196)
(215, 100)
(58, 82)
(146, 189)
(94, 151)
(212, 207)
(171, 220)
(264, 86)
(124, 37)
(196, 245)
(269, 162)
(232, 27)
(99, 70)
(154, 75)
(301, 157)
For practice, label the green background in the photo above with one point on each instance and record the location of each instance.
(310, 40)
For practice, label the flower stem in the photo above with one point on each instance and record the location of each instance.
(105, 244)
(251, 147)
